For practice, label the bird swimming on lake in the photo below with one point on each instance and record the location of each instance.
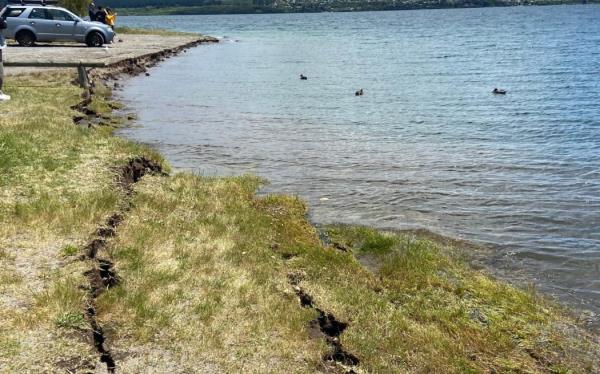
(499, 92)
(303, 77)
(359, 92)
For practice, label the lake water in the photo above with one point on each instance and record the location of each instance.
(428, 145)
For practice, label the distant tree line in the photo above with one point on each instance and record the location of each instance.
(244, 6)
(181, 3)
(76, 6)
(275, 6)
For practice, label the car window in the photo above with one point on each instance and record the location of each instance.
(38, 13)
(13, 12)
(59, 15)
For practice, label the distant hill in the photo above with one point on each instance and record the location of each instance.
(288, 6)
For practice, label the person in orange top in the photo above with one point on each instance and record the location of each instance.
(110, 18)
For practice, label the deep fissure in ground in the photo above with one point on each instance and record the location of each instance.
(103, 275)
(325, 325)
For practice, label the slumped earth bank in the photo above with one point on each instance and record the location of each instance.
(109, 262)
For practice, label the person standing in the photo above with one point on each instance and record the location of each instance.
(101, 15)
(3, 96)
(110, 18)
(92, 11)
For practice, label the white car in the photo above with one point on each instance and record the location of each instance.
(31, 23)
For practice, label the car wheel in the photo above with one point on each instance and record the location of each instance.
(25, 38)
(94, 39)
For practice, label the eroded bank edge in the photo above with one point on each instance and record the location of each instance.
(102, 274)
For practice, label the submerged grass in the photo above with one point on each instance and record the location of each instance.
(156, 31)
(210, 273)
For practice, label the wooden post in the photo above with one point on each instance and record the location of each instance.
(84, 80)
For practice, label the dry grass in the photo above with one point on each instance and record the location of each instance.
(200, 283)
(205, 268)
(56, 185)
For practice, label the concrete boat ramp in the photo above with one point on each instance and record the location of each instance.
(127, 47)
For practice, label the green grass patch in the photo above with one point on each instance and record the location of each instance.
(71, 320)
(69, 250)
(362, 239)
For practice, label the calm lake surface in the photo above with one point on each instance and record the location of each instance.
(427, 145)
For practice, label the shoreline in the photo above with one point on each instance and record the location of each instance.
(481, 256)
(477, 255)
(148, 266)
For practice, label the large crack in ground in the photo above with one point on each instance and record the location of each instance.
(328, 327)
(135, 169)
(103, 275)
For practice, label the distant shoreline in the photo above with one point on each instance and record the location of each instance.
(330, 8)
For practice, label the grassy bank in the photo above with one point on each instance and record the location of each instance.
(198, 274)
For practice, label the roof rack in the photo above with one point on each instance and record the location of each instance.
(31, 2)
